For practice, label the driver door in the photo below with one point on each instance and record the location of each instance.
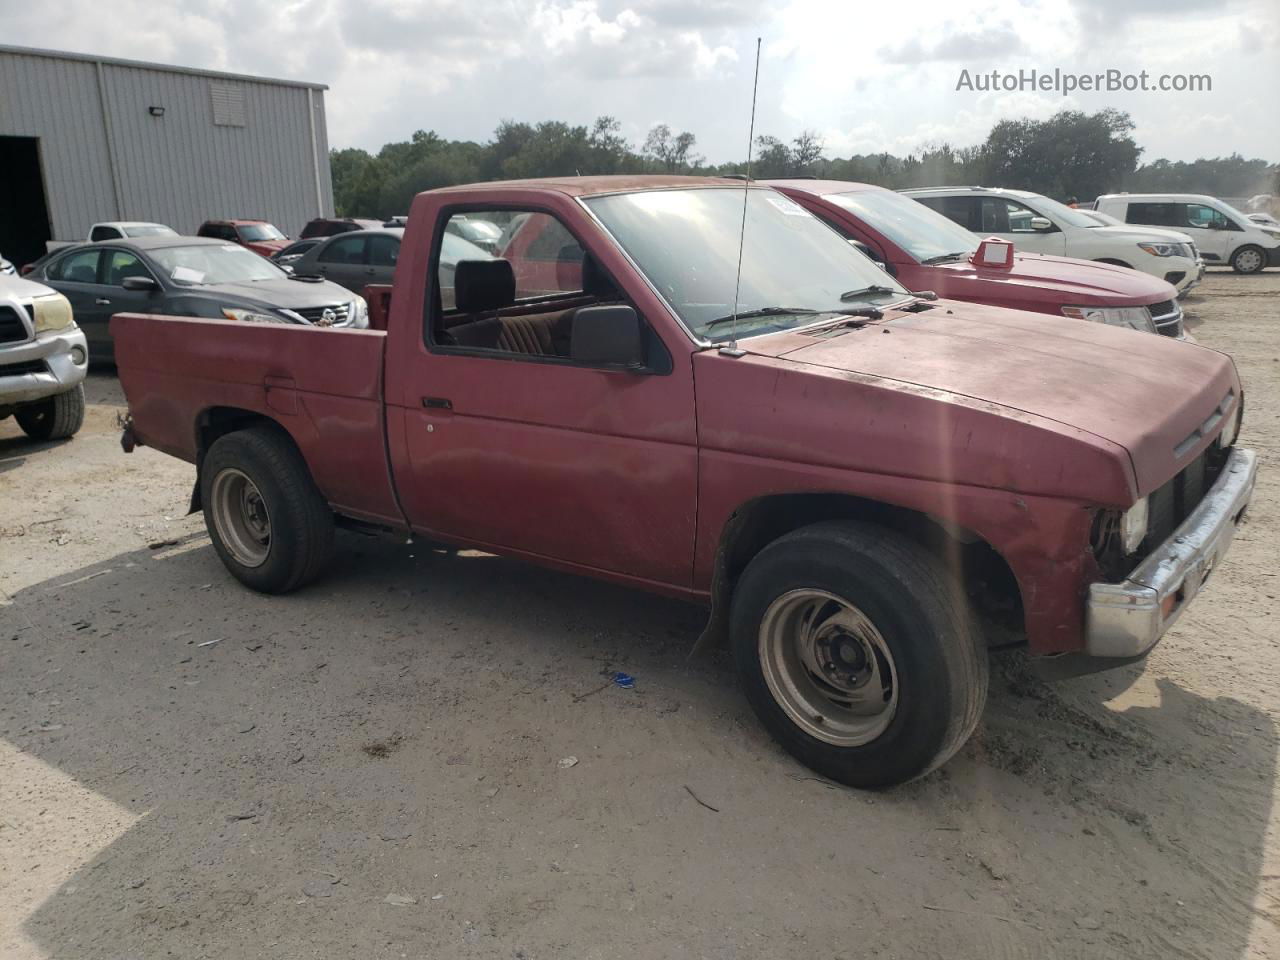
(1209, 228)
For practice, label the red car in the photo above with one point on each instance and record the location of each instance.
(926, 251)
(857, 481)
(257, 235)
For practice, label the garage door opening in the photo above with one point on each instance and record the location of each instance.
(24, 214)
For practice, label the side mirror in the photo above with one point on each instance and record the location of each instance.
(867, 252)
(1041, 223)
(140, 284)
(993, 252)
(608, 336)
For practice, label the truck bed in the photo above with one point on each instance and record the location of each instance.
(184, 377)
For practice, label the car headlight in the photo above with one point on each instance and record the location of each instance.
(250, 316)
(358, 314)
(1136, 318)
(52, 313)
(1133, 526)
(1232, 429)
(1161, 249)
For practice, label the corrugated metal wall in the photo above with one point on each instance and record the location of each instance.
(105, 157)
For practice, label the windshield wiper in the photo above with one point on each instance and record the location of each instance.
(943, 258)
(863, 292)
(762, 312)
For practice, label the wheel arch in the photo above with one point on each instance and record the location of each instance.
(985, 574)
(1113, 262)
(215, 422)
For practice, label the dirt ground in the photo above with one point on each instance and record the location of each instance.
(371, 768)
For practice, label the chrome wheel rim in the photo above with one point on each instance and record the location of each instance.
(828, 667)
(1249, 261)
(241, 518)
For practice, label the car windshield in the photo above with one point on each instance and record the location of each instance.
(794, 266)
(149, 230)
(254, 232)
(199, 265)
(1058, 212)
(1229, 210)
(921, 231)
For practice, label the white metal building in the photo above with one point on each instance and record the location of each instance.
(85, 138)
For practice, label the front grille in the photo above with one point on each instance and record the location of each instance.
(314, 314)
(1167, 316)
(18, 369)
(12, 329)
(1173, 503)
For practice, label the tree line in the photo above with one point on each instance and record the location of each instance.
(1070, 156)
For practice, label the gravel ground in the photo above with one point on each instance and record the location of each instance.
(372, 768)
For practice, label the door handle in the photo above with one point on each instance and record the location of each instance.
(370, 271)
(102, 302)
(437, 403)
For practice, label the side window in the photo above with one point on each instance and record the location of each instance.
(383, 250)
(122, 264)
(1154, 214)
(207, 230)
(348, 248)
(78, 267)
(961, 210)
(523, 302)
(1206, 218)
(104, 233)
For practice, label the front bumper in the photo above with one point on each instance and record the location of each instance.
(42, 367)
(1124, 620)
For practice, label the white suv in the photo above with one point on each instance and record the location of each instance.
(1036, 224)
(1223, 234)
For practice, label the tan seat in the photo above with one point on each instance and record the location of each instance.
(526, 334)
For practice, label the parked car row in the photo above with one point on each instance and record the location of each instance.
(698, 387)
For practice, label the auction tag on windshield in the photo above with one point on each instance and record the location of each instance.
(186, 275)
(789, 207)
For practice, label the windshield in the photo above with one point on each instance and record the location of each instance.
(921, 231)
(149, 230)
(1229, 210)
(255, 232)
(1059, 212)
(686, 242)
(203, 264)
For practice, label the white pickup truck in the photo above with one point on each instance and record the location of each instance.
(43, 360)
(116, 230)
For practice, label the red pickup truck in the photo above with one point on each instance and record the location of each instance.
(861, 484)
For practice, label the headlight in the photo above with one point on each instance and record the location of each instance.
(358, 314)
(1133, 526)
(52, 313)
(1232, 429)
(1162, 249)
(1136, 318)
(250, 316)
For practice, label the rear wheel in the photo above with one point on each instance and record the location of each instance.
(1248, 260)
(54, 418)
(269, 524)
(855, 650)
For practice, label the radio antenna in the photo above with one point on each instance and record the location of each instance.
(742, 233)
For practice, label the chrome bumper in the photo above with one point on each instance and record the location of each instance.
(1126, 619)
(43, 366)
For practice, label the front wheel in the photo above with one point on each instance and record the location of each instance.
(54, 418)
(1248, 260)
(855, 650)
(269, 524)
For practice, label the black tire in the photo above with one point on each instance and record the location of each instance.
(55, 418)
(300, 526)
(1255, 260)
(924, 620)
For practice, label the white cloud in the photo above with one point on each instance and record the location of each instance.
(870, 76)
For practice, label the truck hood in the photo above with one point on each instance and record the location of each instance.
(1148, 394)
(282, 293)
(1137, 234)
(16, 288)
(1065, 281)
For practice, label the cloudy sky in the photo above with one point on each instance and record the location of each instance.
(867, 76)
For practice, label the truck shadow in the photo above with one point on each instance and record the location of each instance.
(216, 758)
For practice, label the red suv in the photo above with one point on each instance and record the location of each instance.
(260, 236)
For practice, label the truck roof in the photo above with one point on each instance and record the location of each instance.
(587, 186)
(822, 187)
